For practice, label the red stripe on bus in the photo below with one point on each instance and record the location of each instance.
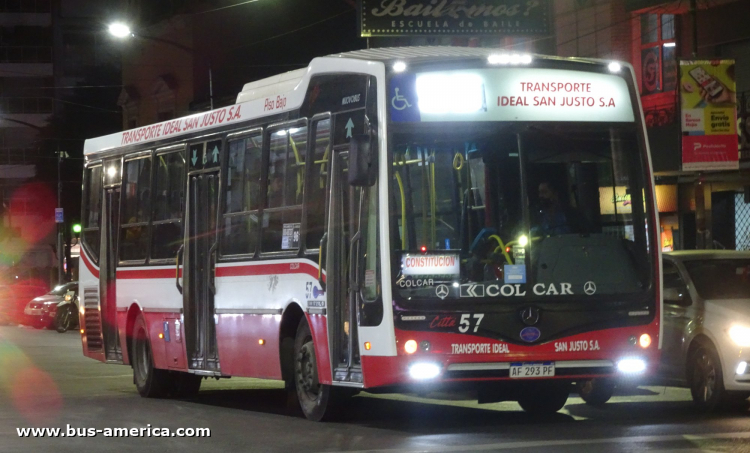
(268, 269)
(231, 271)
(94, 271)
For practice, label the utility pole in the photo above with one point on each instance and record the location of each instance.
(702, 239)
(694, 24)
(60, 256)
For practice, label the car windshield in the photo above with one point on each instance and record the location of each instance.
(461, 224)
(720, 278)
(61, 290)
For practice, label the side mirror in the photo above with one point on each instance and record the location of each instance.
(363, 167)
(676, 296)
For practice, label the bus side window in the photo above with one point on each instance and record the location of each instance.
(316, 198)
(92, 210)
(240, 230)
(136, 189)
(169, 197)
(285, 189)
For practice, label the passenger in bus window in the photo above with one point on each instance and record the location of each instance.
(276, 191)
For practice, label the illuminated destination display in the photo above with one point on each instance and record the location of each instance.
(510, 94)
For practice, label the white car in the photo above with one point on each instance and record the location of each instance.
(706, 343)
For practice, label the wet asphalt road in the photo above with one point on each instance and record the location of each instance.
(46, 382)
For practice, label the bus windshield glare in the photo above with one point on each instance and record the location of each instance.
(461, 229)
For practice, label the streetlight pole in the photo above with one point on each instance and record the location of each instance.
(121, 30)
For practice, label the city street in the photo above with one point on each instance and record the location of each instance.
(46, 382)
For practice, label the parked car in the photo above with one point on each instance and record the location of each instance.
(13, 299)
(706, 343)
(41, 312)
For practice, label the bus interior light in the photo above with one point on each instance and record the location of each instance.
(399, 66)
(424, 370)
(450, 93)
(645, 340)
(504, 58)
(631, 366)
(614, 67)
(410, 347)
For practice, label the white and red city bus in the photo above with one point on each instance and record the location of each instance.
(386, 219)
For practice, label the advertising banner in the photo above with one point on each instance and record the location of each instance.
(709, 115)
(453, 17)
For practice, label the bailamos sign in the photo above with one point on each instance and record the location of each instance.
(453, 17)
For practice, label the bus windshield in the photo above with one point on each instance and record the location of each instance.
(519, 211)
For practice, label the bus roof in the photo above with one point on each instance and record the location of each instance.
(286, 91)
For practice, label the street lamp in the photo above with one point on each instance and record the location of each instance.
(122, 30)
(119, 30)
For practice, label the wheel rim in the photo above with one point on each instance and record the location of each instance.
(65, 320)
(306, 371)
(142, 359)
(705, 377)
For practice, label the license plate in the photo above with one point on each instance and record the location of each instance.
(33, 311)
(532, 370)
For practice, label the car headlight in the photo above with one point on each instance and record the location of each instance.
(68, 298)
(740, 335)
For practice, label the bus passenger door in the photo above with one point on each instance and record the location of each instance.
(108, 260)
(200, 265)
(341, 301)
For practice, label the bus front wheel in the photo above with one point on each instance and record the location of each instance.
(596, 392)
(316, 400)
(150, 381)
(545, 398)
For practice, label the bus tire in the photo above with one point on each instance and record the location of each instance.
(545, 398)
(706, 378)
(64, 318)
(150, 381)
(185, 385)
(596, 392)
(316, 400)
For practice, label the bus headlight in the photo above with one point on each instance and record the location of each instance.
(424, 370)
(740, 335)
(631, 365)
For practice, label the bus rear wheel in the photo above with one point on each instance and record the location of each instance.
(150, 381)
(544, 398)
(318, 401)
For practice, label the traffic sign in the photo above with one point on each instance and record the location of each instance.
(59, 218)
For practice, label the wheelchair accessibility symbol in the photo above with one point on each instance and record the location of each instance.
(399, 102)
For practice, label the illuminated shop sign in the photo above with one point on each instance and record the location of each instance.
(454, 17)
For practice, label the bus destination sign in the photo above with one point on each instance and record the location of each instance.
(453, 17)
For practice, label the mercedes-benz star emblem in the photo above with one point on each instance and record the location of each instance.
(530, 316)
(589, 288)
(442, 291)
